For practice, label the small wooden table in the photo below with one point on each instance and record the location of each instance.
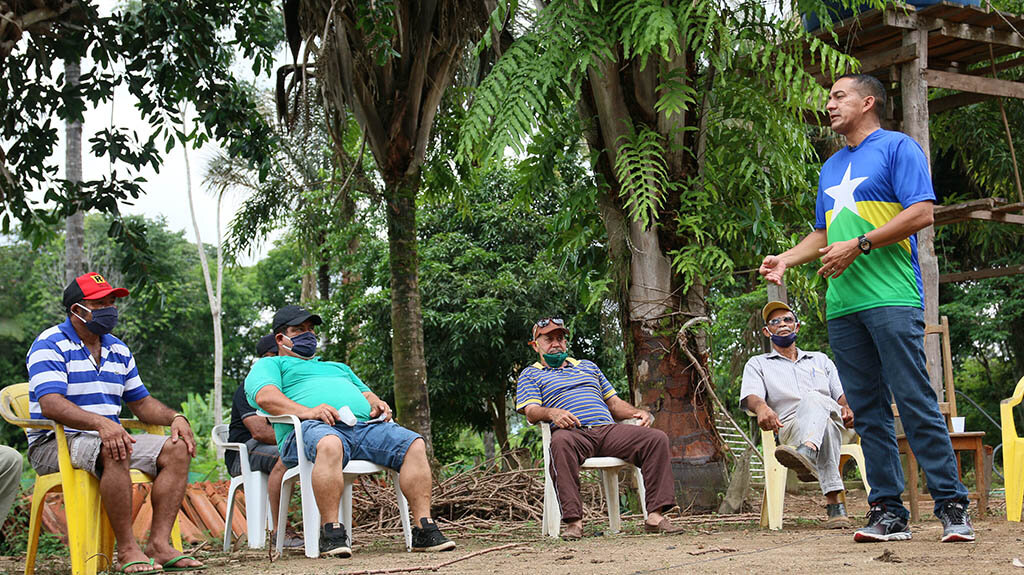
(966, 441)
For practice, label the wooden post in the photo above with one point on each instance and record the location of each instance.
(777, 292)
(914, 88)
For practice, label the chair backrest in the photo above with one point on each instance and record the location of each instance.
(14, 403)
(219, 435)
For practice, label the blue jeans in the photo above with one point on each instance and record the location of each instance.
(382, 443)
(880, 356)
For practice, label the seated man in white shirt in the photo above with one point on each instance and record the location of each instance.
(797, 394)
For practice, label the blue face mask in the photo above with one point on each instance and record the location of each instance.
(784, 340)
(103, 321)
(303, 345)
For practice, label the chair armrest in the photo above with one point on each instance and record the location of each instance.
(287, 419)
(151, 428)
(1017, 397)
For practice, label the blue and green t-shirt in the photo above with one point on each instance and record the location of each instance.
(308, 382)
(579, 388)
(860, 189)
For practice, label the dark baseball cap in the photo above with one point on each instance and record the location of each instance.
(294, 315)
(90, 286)
(266, 344)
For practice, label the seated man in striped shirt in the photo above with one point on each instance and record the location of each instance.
(576, 398)
(78, 376)
(798, 394)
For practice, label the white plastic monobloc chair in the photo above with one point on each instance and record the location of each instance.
(609, 468)
(257, 504)
(303, 472)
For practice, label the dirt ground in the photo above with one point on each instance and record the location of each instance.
(709, 545)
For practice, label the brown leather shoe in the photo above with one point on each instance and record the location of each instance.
(663, 527)
(572, 532)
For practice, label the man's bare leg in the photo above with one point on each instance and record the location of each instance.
(415, 480)
(115, 489)
(274, 489)
(328, 481)
(168, 491)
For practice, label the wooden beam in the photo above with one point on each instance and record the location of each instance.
(968, 206)
(953, 101)
(974, 84)
(981, 274)
(1015, 207)
(961, 30)
(889, 58)
(996, 217)
(987, 69)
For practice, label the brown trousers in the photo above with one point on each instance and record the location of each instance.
(644, 447)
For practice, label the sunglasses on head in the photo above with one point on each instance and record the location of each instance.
(544, 322)
(789, 320)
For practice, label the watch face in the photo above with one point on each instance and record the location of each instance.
(865, 244)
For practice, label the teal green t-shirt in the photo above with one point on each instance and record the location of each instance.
(308, 382)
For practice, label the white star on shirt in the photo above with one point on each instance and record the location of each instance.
(842, 193)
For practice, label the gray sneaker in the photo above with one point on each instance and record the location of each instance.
(837, 518)
(800, 459)
(956, 522)
(883, 525)
(292, 540)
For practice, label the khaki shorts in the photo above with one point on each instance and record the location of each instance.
(85, 453)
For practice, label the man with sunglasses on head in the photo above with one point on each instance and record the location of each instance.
(582, 407)
(79, 375)
(341, 420)
(797, 394)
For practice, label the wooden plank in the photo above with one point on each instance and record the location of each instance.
(1014, 207)
(992, 216)
(974, 84)
(968, 206)
(890, 58)
(981, 274)
(990, 35)
(986, 70)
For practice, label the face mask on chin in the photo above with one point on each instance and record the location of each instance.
(784, 340)
(103, 321)
(303, 345)
(555, 359)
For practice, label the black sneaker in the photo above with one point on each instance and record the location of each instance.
(956, 522)
(882, 526)
(429, 538)
(334, 540)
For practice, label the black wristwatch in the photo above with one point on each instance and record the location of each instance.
(864, 244)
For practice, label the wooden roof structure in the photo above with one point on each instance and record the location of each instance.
(949, 46)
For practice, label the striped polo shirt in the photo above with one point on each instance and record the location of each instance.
(58, 362)
(579, 388)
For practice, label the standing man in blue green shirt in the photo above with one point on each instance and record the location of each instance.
(341, 420)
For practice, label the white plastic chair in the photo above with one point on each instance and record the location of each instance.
(609, 468)
(303, 472)
(257, 503)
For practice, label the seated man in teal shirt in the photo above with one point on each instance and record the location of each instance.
(323, 394)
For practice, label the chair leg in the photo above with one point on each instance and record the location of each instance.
(34, 523)
(610, 481)
(403, 510)
(641, 490)
(310, 517)
(1013, 469)
(257, 507)
(232, 494)
(552, 512)
(345, 508)
(858, 456)
(774, 493)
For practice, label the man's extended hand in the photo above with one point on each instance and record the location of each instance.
(323, 412)
(117, 442)
(645, 417)
(180, 429)
(847, 415)
(837, 257)
(772, 268)
(563, 419)
(767, 419)
(378, 407)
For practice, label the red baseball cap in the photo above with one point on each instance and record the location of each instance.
(90, 286)
(548, 325)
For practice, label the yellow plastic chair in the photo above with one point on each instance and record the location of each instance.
(1013, 454)
(90, 536)
(775, 478)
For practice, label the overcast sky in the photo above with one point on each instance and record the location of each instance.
(166, 192)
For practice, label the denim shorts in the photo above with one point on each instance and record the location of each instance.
(382, 443)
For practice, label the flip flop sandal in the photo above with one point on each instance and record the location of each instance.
(123, 570)
(169, 567)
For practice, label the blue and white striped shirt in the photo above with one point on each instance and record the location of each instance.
(579, 388)
(58, 362)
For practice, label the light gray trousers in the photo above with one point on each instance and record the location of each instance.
(10, 478)
(818, 420)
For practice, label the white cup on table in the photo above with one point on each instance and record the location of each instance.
(958, 424)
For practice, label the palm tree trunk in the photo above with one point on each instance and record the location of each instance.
(412, 402)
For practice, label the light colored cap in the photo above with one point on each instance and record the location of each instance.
(773, 306)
